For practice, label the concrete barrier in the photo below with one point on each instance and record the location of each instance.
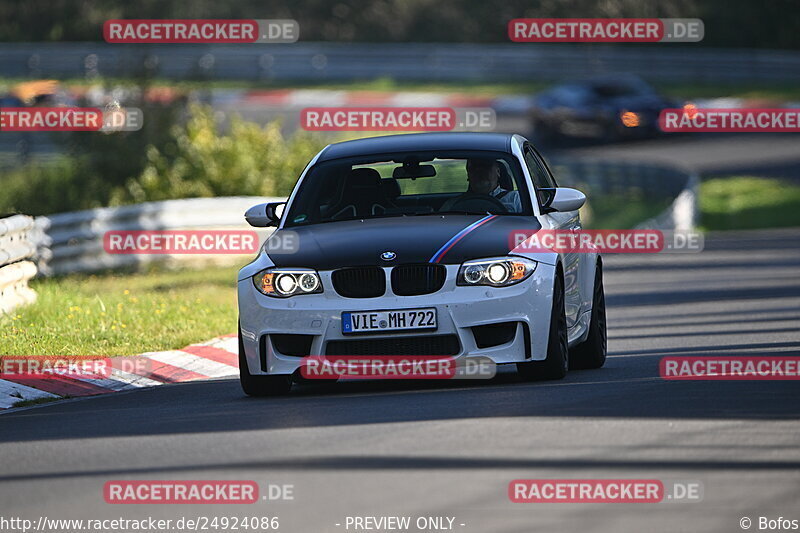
(16, 249)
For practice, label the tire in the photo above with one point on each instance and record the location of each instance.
(591, 353)
(260, 385)
(556, 363)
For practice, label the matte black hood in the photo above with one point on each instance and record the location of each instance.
(446, 239)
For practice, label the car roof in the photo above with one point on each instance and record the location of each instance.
(603, 79)
(388, 144)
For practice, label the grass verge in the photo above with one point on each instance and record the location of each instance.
(122, 314)
(744, 202)
(38, 401)
(376, 84)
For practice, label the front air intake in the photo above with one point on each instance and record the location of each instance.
(359, 282)
(416, 345)
(413, 280)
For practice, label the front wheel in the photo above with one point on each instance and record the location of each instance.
(591, 353)
(557, 361)
(260, 385)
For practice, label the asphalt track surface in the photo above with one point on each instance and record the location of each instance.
(726, 154)
(721, 154)
(425, 449)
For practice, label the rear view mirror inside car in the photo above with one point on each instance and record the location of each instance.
(414, 171)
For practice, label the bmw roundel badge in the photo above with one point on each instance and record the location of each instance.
(388, 256)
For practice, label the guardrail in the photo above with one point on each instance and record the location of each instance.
(308, 61)
(640, 182)
(73, 242)
(16, 248)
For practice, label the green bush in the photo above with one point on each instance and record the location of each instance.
(43, 189)
(92, 165)
(191, 159)
(202, 161)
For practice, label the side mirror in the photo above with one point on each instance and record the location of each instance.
(265, 215)
(563, 199)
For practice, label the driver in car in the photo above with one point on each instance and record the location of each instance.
(483, 175)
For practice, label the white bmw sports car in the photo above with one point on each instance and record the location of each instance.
(401, 245)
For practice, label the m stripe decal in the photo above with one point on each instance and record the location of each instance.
(458, 236)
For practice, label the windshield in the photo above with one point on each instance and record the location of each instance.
(622, 88)
(410, 184)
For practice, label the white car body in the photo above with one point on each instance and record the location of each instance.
(458, 308)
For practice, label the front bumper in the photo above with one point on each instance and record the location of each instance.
(458, 310)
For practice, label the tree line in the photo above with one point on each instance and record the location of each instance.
(728, 23)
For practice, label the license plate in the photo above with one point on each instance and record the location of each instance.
(394, 320)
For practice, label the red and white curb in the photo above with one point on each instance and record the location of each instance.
(217, 358)
(299, 98)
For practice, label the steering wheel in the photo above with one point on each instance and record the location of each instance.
(478, 202)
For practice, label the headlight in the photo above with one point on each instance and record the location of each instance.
(630, 119)
(285, 282)
(499, 272)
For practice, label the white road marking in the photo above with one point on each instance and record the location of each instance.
(194, 363)
(11, 393)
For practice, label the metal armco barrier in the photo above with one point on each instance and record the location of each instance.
(17, 234)
(307, 61)
(642, 181)
(73, 242)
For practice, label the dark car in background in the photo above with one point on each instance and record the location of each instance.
(607, 109)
